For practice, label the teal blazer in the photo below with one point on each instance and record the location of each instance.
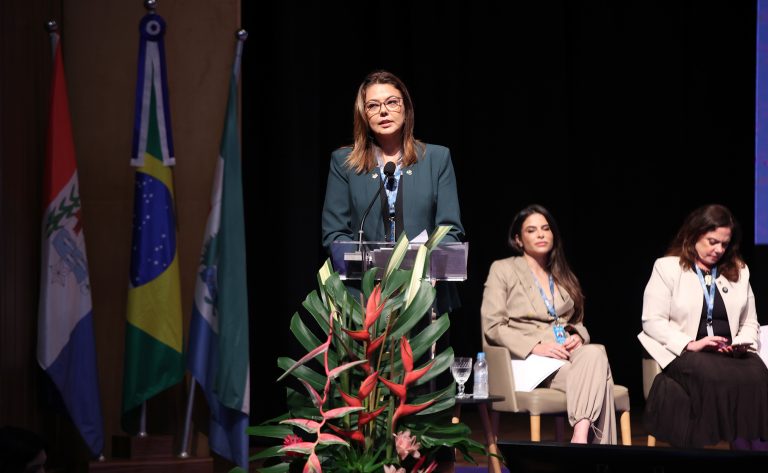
(429, 198)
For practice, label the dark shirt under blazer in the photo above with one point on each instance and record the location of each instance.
(672, 306)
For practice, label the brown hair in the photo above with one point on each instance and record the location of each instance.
(556, 263)
(362, 158)
(703, 220)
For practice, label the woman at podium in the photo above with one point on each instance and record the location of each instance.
(388, 182)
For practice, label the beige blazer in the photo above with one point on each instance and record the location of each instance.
(513, 313)
(672, 306)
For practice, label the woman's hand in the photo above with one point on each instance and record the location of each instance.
(551, 350)
(573, 342)
(709, 343)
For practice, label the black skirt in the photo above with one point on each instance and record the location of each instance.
(703, 398)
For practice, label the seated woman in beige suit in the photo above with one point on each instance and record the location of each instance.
(533, 304)
(700, 325)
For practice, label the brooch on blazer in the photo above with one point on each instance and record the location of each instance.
(409, 172)
(375, 176)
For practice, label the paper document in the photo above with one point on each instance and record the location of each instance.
(762, 344)
(421, 238)
(533, 370)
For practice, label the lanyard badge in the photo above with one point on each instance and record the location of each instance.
(557, 328)
(709, 295)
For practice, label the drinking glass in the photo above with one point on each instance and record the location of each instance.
(461, 368)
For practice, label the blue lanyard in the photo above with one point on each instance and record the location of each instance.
(557, 329)
(550, 305)
(708, 296)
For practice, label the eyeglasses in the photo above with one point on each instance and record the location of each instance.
(392, 104)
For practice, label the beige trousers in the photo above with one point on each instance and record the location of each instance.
(587, 383)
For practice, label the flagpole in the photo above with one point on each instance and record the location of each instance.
(52, 28)
(184, 453)
(241, 35)
(143, 421)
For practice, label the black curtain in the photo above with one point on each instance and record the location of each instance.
(620, 117)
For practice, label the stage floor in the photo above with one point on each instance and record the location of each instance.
(514, 430)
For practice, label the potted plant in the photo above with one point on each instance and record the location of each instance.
(362, 403)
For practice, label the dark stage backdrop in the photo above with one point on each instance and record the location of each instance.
(620, 117)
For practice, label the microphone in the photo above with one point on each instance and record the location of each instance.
(389, 172)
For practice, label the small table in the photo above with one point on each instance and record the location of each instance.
(483, 403)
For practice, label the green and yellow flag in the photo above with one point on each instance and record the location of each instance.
(154, 358)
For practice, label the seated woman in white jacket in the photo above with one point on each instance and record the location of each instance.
(700, 325)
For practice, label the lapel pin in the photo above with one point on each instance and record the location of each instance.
(409, 172)
(374, 176)
(725, 289)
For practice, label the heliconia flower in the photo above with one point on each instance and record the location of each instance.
(350, 400)
(413, 376)
(367, 386)
(355, 435)
(340, 412)
(308, 425)
(393, 469)
(374, 345)
(397, 389)
(373, 308)
(366, 417)
(288, 441)
(313, 464)
(408, 409)
(359, 335)
(406, 354)
(406, 444)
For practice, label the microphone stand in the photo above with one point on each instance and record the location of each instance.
(360, 232)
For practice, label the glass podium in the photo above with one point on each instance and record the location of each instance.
(352, 259)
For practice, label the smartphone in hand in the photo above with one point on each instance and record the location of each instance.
(740, 349)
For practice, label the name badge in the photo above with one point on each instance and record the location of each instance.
(559, 333)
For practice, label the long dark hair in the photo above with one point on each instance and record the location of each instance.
(697, 223)
(556, 262)
(362, 158)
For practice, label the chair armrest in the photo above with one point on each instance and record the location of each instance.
(650, 369)
(501, 381)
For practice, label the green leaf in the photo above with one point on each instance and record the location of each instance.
(316, 380)
(401, 247)
(268, 452)
(369, 281)
(437, 235)
(418, 309)
(279, 468)
(271, 431)
(442, 363)
(417, 275)
(445, 400)
(307, 339)
(395, 283)
(317, 351)
(318, 310)
(422, 342)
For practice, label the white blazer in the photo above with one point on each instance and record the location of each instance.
(672, 305)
